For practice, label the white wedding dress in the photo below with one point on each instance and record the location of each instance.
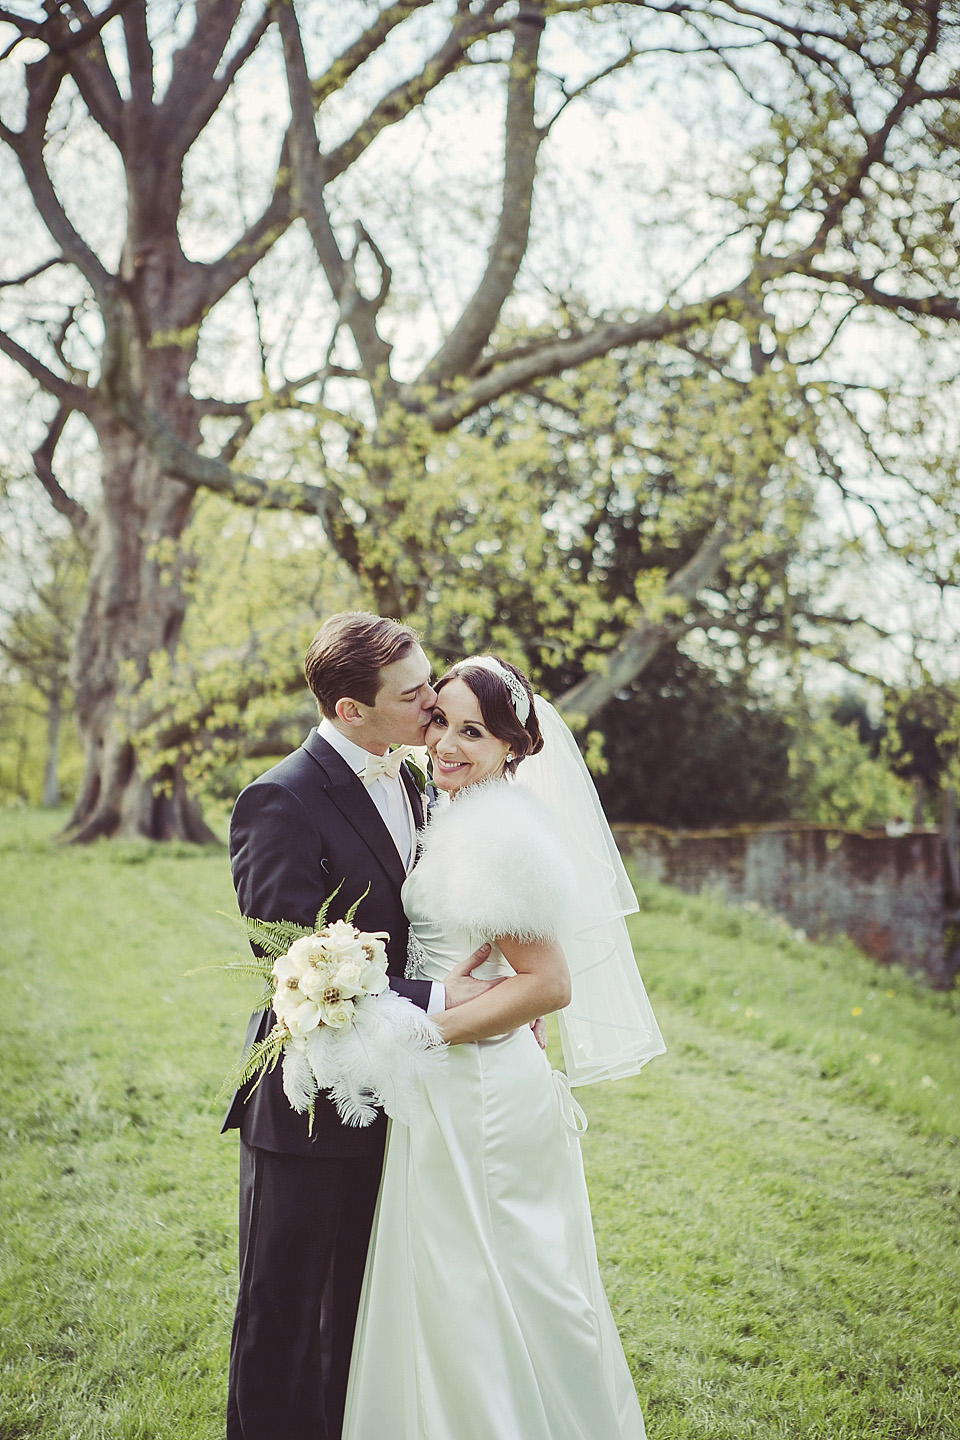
(483, 1316)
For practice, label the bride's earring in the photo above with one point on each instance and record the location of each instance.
(508, 757)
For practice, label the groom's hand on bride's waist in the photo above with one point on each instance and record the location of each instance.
(462, 985)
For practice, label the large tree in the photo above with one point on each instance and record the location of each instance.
(839, 201)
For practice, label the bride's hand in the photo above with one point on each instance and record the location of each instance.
(462, 985)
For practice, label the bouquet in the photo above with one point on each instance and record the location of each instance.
(339, 1026)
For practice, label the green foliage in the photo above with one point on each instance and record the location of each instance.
(688, 747)
(274, 937)
(39, 746)
(260, 586)
(925, 739)
(540, 529)
(24, 746)
(578, 501)
(260, 1059)
(838, 782)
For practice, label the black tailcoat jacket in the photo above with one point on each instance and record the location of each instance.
(298, 831)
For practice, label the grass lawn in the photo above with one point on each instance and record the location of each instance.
(777, 1200)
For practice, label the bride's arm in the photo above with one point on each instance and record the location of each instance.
(541, 984)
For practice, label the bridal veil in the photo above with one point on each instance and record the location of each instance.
(608, 1030)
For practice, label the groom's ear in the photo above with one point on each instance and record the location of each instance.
(349, 711)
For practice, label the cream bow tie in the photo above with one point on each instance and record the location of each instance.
(385, 767)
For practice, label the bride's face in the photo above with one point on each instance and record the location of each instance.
(462, 748)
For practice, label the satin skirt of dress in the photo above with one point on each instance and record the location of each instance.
(483, 1316)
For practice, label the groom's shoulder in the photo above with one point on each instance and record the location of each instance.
(304, 766)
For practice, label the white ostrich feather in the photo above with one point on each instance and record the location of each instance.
(495, 867)
(298, 1082)
(380, 1060)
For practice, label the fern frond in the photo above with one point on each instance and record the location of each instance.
(242, 965)
(356, 905)
(266, 997)
(322, 912)
(274, 936)
(261, 1057)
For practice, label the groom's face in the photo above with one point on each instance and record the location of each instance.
(403, 707)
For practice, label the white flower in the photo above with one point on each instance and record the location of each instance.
(300, 1018)
(347, 978)
(342, 942)
(287, 990)
(374, 977)
(338, 1014)
(316, 981)
(291, 968)
(321, 975)
(298, 956)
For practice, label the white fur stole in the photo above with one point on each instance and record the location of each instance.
(494, 867)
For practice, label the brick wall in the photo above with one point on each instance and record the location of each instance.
(885, 892)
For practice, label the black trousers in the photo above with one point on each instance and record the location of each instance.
(304, 1230)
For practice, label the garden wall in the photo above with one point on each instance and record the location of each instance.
(885, 892)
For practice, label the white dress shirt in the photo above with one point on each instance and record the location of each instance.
(393, 803)
(388, 795)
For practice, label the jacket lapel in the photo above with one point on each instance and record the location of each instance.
(349, 794)
(416, 799)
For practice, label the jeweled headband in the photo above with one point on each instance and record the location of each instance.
(519, 697)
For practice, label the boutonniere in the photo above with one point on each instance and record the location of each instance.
(416, 763)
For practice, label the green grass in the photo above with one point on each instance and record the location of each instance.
(776, 1200)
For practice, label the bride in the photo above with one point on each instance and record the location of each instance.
(483, 1316)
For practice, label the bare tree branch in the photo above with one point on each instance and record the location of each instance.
(284, 395)
(44, 80)
(638, 647)
(32, 274)
(63, 39)
(139, 67)
(386, 274)
(195, 92)
(28, 29)
(194, 67)
(405, 97)
(940, 307)
(875, 143)
(358, 313)
(43, 464)
(522, 143)
(569, 96)
(355, 55)
(181, 462)
(556, 354)
(86, 59)
(75, 396)
(214, 280)
(217, 278)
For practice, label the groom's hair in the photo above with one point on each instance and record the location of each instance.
(347, 654)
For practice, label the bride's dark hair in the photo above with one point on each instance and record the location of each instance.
(496, 706)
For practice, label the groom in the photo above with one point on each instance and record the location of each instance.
(334, 811)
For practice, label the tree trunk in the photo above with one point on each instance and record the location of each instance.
(51, 773)
(133, 614)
